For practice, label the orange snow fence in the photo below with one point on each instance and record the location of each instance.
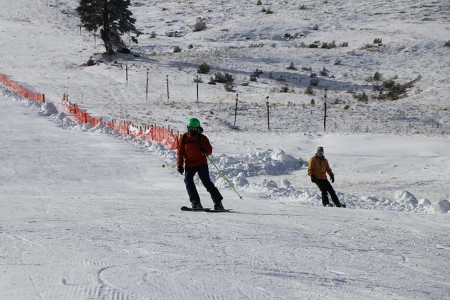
(165, 136)
(17, 88)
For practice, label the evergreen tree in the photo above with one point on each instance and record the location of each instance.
(113, 19)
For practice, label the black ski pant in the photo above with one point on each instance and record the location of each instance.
(326, 188)
(203, 173)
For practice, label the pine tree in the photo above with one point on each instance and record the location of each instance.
(113, 19)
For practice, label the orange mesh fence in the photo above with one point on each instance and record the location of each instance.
(165, 136)
(17, 88)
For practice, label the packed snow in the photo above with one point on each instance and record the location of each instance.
(87, 213)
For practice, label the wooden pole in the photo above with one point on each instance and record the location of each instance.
(235, 110)
(167, 83)
(197, 88)
(325, 112)
(126, 71)
(146, 88)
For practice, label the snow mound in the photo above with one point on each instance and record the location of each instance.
(270, 162)
(48, 109)
(406, 198)
(442, 206)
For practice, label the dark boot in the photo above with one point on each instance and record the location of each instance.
(218, 205)
(197, 206)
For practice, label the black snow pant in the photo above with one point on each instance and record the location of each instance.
(325, 187)
(203, 173)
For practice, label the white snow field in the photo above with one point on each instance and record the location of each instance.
(86, 213)
(87, 216)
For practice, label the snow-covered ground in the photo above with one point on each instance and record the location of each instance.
(88, 214)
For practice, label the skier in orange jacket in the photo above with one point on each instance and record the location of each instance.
(318, 168)
(192, 151)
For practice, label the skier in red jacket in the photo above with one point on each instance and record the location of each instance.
(192, 152)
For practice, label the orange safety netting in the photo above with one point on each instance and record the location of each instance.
(165, 136)
(17, 88)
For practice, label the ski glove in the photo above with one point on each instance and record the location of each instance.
(313, 179)
(180, 169)
(332, 178)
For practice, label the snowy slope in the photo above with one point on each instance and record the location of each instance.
(87, 214)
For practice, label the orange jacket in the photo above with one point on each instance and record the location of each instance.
(189, 150)
(318, 167)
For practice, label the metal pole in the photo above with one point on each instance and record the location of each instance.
(224, 177)
(268, 113)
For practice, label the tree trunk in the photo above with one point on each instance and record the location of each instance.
(107, 41)
(106, 32)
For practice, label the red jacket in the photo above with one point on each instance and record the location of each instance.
(190, 148)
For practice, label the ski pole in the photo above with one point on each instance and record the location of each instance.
(226, 179)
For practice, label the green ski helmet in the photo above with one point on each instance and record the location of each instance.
(193, 122)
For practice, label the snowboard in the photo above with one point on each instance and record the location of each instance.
(185, 208)
(216, 211)
(342, 205)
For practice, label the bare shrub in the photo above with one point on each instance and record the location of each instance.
(331, 45)
(361, 97)
(377, 76)
(314, 82)
(198, 79)
(204, 68)
(324, 72)
(229, 86)
(223, 77)
(378, 41)
(391, 90)
(199, 25)
(291, 67)
(309, 90)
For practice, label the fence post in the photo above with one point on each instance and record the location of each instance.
(146, 88)
(325, 112)
(235, 110)
(167, 83)
(126, 71)
(197, 88)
